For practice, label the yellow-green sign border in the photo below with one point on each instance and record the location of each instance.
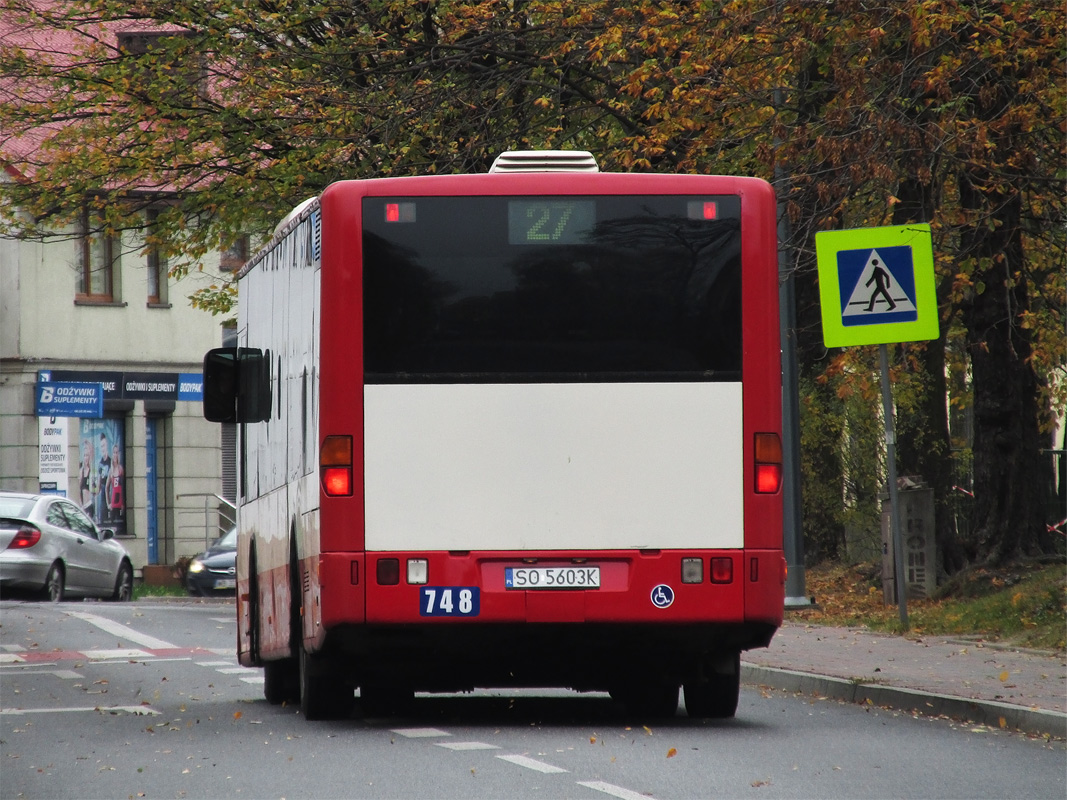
(916, 236)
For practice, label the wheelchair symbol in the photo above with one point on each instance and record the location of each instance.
(662, 596)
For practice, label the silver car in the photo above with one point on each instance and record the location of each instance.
(51, 547)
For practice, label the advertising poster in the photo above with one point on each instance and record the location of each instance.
(102, 472)
(52, 446)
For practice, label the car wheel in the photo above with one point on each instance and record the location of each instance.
(54, 586)
(123, 584)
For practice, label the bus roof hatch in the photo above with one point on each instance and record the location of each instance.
(545, 161)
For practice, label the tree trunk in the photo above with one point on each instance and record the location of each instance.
(1010, 473)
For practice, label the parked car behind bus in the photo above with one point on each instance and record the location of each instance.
(214, 572)
(51, 548)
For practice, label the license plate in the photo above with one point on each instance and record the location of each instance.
(552, 577)
(225, 583)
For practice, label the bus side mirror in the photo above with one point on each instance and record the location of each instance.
(237, 385)
(220, 385)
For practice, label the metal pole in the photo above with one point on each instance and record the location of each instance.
(891, 469)
(796, 595)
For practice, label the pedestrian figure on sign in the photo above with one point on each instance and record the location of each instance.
(881, 280)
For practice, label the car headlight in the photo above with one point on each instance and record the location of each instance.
(196, 565)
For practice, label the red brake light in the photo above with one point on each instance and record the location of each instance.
(337, 481)
(27, 536)
(768, 458)
(722, 570)
(335, 463)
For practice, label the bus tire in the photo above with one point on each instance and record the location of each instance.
(281, 678)
(323, 694)
(715, 697)
(650, 699)
(378, 700)
(281, 681)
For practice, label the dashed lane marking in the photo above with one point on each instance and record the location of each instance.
(420, 733)
(614, 791)
(466, 746)
(65, 674)
(532, 763)
(142, 711)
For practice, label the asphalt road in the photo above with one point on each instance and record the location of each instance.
(147, 700)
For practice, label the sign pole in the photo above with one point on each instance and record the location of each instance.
(891, 470)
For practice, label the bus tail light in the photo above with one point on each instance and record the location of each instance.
(335, 466)
(388, 571)
(722, 570)
(768, 463)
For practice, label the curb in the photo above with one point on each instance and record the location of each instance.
(984, 712)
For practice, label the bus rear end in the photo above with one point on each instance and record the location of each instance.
(559, 395)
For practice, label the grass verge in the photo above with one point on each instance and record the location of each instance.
(141, 590)
(1022, 604)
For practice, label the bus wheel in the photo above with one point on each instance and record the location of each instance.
(323, 694)
(652, 699)
(716, 697)
(384, 701)
(281, 681)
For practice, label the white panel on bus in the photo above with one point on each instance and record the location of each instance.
(553, 466)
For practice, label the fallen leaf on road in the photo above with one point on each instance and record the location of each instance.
(672, 752)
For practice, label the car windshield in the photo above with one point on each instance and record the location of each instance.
(16, 506)
(228, 540)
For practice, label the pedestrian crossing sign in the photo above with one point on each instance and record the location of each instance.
(876, 285)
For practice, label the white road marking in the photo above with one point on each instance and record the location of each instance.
(10, 658)
(419, 733)
(255, 680)
(66, 674)
(143, 711)
(214, 663)
(466, 746)
(97, 655)
(13, 648)
(614, 791)
(236, 670)
(531, 763)
(123, 632)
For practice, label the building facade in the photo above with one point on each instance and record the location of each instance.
(101, 318)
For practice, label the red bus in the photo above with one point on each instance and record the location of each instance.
(520, 428)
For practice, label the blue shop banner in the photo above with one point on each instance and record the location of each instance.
(70, 399)
(188, 386)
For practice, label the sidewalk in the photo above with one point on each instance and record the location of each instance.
(973, 680)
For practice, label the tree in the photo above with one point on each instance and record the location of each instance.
(224, 114)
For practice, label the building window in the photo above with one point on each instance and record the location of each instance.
(168, 61)
(98, 259)
(235, 256)
(157, 264)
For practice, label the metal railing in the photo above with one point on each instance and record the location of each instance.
(199, 526)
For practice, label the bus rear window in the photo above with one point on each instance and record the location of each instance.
(551, 289)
